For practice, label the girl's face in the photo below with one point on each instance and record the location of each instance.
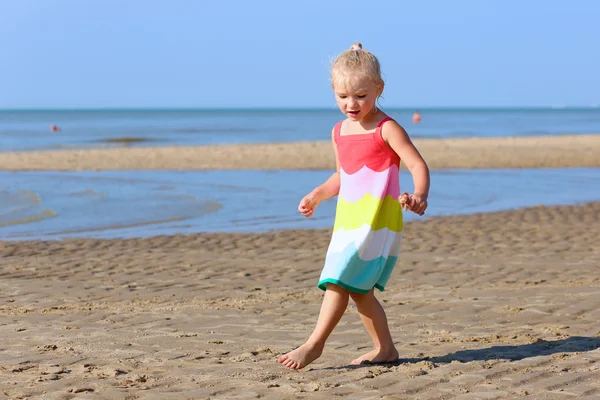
(356, 97)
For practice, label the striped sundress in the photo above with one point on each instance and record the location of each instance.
(367, 233)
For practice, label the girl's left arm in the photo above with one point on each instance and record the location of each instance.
(399, 141)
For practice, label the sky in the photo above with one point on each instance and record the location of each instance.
(277, 54)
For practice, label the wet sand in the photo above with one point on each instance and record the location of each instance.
(521, 152)
(492, 306)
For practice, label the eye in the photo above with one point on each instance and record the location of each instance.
(342, 96)
(361, 96)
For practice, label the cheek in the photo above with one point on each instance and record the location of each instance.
(370, 100)
(365, 102)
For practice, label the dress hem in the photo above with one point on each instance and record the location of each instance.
(323, 286)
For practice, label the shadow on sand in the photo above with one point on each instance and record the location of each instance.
(540, 347)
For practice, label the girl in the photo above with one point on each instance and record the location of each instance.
(365, 244)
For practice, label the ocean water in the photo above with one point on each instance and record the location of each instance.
(30, 130)
(113, 204)
(121, 204)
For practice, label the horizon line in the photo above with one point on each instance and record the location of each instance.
(403, 108)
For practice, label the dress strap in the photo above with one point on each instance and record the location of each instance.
(383, 121)
(378, 137)
(337, 129)
(378, 133)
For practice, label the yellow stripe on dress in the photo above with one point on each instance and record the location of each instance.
(376, 213)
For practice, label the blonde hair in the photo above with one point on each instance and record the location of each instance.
(356, 62)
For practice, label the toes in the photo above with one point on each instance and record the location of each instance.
(282, 358)
(288, 363)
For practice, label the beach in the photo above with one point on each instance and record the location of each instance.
(493, 305)
(486, 306)
(474, 153)
(157, 160)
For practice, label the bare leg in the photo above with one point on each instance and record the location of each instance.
(374, 319)
(332, 309)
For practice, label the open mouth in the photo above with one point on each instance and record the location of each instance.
(353, 113)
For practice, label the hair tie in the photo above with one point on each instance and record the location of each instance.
(355, 47)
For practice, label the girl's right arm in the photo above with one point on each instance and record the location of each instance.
(327, 190)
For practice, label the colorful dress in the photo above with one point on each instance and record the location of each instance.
(368, 225)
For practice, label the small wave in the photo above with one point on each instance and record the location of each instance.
(115, 226)
(209, 206)
(44, 214)
(233, 129)
(216, 129)
(118, 226)
(19, 199)
(19, 207)
(89, 193)
(22, 207)
(125, 139)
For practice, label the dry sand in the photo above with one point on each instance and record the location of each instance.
(522, 152)
(495, 306)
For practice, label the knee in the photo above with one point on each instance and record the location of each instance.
(359, 298)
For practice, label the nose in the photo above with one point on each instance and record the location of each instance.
(352, 103)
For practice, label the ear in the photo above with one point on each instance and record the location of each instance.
(380, 89)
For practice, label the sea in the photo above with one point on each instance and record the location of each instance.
(53, 205)
(30, 130)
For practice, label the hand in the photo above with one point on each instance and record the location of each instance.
(413, 202)
(308, 204)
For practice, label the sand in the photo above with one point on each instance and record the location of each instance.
(522, 152)
(495, 306)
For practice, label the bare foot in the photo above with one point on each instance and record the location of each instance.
(377, 356)
(301, 357)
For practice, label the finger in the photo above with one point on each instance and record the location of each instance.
(415, 200)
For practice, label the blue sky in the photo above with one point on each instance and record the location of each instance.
(209, 54)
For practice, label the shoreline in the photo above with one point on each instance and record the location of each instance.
(465, 153)
(496, 305)
(269, 238)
